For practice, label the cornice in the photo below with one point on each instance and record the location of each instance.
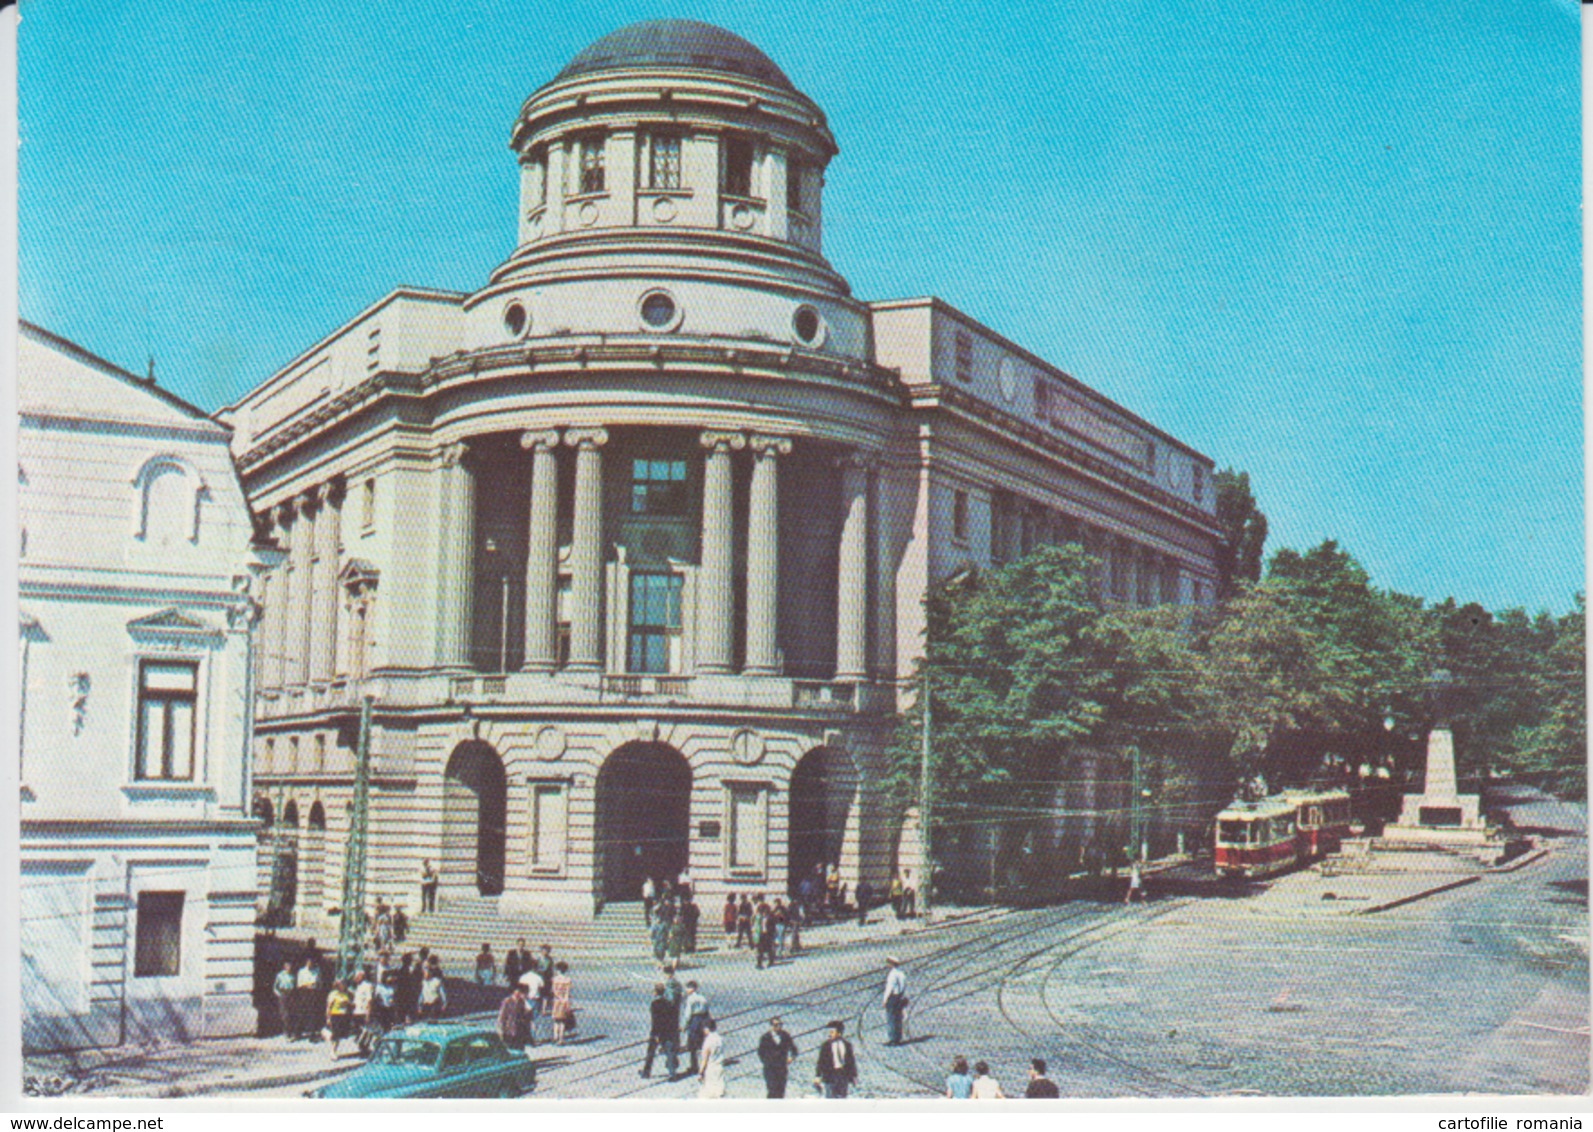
(966, 405)
(577, 355)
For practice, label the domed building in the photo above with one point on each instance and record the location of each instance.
(630, 544)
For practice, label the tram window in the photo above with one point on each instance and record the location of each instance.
(1231, 832)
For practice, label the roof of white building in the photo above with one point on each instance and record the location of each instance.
(688, 44)
(59, 378)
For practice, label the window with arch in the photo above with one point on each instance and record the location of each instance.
(168, 497)
(589, 163)
(662, 160)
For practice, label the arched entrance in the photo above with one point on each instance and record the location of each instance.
(822, 788)
(313, 868)
(474, 810)
(643, 819)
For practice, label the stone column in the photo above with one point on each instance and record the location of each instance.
(763, 556)
(715, 582)
(542, 558)
(323, 602)
(456, 560)
(276, 621)
(851, 618)
(296, 653)
(1154, 565)
(586, 550)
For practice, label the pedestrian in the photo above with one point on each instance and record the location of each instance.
(283, 988)
(782, 926)
(683, 886)
(690, 915)
(433, 995)
(663, 1033)
(382, 999)
(896, 894)
(648, 892)
(307, 998)
(959, 1082)
(712, 1075)
(486, 966)
(428, 887)
(514, 1020)
(1136, 890)
(563, 1002)
(338, 1006)
(836, 1070)
(832, 887)
(1040, 1087)
(384, 926)
(986, 1087)
(895, 1000)
(865, 896)
(764, 924)
(400, 924)
(909, 901)
(804, 895)
(364, 994)
(729, 916)
(658, 935)
(777, 1051)
(516, 963)
(744, 921)
(544, 967)
(697, 1017)
(793, 929)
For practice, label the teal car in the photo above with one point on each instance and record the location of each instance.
(438, 1059)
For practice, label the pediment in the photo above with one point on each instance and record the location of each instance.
(169, 621)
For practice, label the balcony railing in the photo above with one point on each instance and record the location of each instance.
(822, 695)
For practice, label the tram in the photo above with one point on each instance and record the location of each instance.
(1260, 838)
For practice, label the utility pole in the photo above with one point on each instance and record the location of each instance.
(926, 792)
(351, 929)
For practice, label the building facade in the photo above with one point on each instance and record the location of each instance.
(137, 893)
(630, 544)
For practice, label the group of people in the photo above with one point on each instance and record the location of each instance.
(374, 999)
(771, 929)
(540, 989)
(979, 1085)
(671, 916)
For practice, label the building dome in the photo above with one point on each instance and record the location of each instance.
(688, 44)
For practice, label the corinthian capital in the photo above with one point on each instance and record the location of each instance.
(454, 454)
(723, 441)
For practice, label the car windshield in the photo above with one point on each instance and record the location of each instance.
(406, 1051)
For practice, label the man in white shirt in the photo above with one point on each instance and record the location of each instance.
(895, 1000)
(696, 1011)
(648, 893)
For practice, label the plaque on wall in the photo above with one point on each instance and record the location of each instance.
(707, 829)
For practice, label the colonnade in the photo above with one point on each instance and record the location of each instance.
(714, 621)
(301, 626)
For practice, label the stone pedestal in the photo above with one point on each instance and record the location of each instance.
(1439, 808)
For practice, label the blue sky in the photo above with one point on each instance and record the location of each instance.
(1335, 243)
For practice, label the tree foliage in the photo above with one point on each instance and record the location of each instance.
(1244, 531)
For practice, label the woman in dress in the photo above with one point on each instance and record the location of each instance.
(985, 1087)
(959, 1085)
(563, 1007)
(339, 1006)
(712, 1075)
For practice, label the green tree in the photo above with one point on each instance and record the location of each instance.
(1556, 748)
(1244, 532)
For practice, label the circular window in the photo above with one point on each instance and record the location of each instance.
(515, 320)
(659, 311)
(808, 325)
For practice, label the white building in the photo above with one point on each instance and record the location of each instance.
(633, 540)
(137, 893)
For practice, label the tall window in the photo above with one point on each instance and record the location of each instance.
(166, 696)
(964, 358)
(663, 161)
(655, 623)
(589, 150)
(1198, 481)
(737, 179)
(794, 173)
(539, 177)
(158, 935)
(748, 828)
(658, 487)
(959, 516)
(562, 601)
(547, 826)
